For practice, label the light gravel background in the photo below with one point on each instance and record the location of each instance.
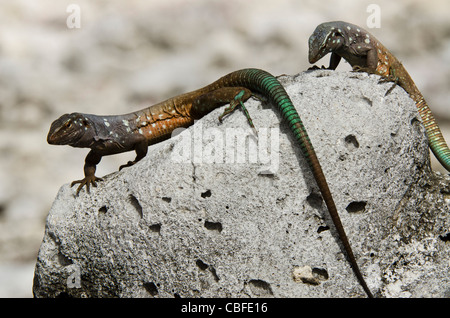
(129, 55)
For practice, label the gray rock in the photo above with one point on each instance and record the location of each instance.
(214, 213)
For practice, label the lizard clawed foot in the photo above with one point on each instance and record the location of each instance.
(129, 164)
(357, 68)
(236, 102)
(315, 67)
(87, 181)
(388, 79)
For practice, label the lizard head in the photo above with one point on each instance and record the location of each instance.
(69, 129)
(327, 37)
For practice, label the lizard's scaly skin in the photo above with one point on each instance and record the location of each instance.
(364, 52)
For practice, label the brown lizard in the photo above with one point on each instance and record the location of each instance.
(108, 135)
(365, 53)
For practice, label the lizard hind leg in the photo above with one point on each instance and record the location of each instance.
(365, 69)
(141, 149)
(239, 100)
(386, 79)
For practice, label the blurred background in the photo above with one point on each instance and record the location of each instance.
(128, 55)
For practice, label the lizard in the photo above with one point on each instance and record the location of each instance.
(365, 53)
(113, 134)
(107, 135)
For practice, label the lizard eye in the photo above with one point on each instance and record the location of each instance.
(85, 123)
(68, 124)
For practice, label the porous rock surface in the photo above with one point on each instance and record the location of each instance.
(203, 216)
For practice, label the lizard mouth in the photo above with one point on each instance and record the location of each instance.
(314, 52)
(312, 59)
(54, 136)
(52, 139)
(314, 56)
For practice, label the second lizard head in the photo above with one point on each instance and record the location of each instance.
(327, 37)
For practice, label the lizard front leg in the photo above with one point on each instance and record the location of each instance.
(334, 62)
(368, 57)
(90, 164)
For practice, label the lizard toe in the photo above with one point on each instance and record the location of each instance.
(87, 181)
(129, 164)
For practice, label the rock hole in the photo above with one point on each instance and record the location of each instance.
(200, 264)
(322, 229)
(320, 273)
(267, 174)
(64, 260)
(351, 141)
(213, 226)
(415, 121)
(155, 227)
(206, 194)
(151, 288)
(214, 273)
(356, 207)
(135, 203)
(260, 288)
(103, 209)
(446, 194)
(167, 199)
(203, 266)
(314, 200)
(445, 238)
(367, 100)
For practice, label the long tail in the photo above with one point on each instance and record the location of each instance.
(435, 138)
(269, 86)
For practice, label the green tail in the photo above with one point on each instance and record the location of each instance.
(435, 137)
(267, 85)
